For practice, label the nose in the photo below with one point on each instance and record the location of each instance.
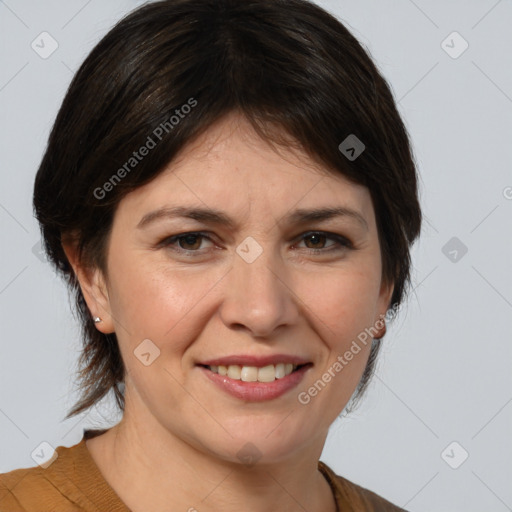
(258, 297)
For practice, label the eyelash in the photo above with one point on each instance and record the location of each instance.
(341, 242)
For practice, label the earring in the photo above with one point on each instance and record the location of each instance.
(97, 319)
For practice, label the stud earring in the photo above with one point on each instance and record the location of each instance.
(97, 319)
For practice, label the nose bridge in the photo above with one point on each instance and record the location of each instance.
(259, 276)
(256, 297)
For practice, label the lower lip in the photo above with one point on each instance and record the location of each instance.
(256, 391)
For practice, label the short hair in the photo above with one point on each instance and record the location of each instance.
(288, 66)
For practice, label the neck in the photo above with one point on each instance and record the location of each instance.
(149, 468)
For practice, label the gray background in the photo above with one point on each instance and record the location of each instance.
(445, 372)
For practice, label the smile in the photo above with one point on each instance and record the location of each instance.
(267, 373)
(256, 384)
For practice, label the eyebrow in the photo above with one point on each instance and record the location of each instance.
(212, 216)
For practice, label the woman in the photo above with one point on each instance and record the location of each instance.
(231, 195)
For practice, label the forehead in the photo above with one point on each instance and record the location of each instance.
(230, 165)
(233, 140)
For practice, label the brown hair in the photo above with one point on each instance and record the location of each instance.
(285, 64)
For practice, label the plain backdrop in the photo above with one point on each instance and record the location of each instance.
(433, 433)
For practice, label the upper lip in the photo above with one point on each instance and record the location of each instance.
(258, 361)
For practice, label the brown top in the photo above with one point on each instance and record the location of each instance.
(73, 483)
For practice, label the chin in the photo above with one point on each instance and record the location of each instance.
(268, 441)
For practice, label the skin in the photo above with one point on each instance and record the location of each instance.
(178, 440)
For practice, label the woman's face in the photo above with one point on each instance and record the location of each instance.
(261, 289)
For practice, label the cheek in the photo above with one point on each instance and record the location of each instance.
(343, 302)
(157, 302)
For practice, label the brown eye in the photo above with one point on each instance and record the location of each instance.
(193, 240)
(186, 243)
(316, 239)
(316, 242)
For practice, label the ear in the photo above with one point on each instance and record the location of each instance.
(385, 294)
(93, 286)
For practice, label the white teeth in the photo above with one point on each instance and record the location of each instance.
(280, 371)
(267, 373)
(249, 374)
(234, 371)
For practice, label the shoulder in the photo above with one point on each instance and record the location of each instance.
(41, 487)
(20, 488)
(351, 496)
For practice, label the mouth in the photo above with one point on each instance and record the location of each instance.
(252, 383)
(268, 373)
